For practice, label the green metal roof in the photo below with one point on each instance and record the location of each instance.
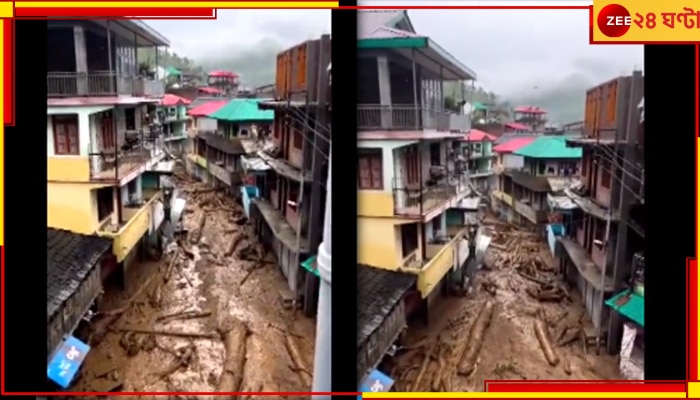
(629, 304)
(310, 265)
(549, 147)
(478, 106)
(172, 71)
(239, 110)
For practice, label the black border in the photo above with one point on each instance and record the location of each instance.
(670, 200)
(344, 192)
(25, 227)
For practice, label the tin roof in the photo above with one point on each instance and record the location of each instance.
(205, 109)
(476, 135)
(70, 257)
(517, 126)
(370, 21)
(549, 147)
(513, 144)
(530, 110)
(379, 291)
(171, 100)
(222, 73)
(239, 110)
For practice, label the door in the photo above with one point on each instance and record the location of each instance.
(107, 132)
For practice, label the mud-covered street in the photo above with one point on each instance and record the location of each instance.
(207, 316)
(518, 321)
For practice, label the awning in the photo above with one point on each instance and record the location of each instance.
(629, 304)
(376, 382)
(163, 167)
(65, 363)
(254, 164)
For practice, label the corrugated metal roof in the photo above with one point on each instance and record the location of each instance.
(170, 100)
(205, 109)
(549, 147)
(476, 135)
(530, 110)
(369, 21)
(508, 136)
(238, 110)
(513, 145)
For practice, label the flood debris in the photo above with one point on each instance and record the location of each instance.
(298, 363)
(476, 338)
(542, 334)
(234, 339)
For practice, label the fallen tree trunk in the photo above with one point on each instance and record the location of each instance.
(196, 234)
(543, 337)
(476, 339)
(235, 239)
(234, 364)
(192, 335)
(423, 367)
(298, 361)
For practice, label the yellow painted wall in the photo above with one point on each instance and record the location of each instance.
(377, 243)
(127, 237)
(68, 169)
(375, 203)
(72, 206)
(439, 266)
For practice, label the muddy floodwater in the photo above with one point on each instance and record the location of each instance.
(510, 347)
(165, 331)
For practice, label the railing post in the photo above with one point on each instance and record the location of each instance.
(415, 90)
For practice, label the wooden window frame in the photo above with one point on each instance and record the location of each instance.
(605, 174)
(297, 138)
(374, 175)
(65, 121)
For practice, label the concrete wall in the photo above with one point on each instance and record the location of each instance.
(378, 243)
(512, 161)
(72, 206)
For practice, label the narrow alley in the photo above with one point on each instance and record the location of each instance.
(208, 316)
(491, 332)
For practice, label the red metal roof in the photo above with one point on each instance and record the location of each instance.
(170, 100)
(404, 135)
(222, 73)
(207, 108)
(476, 135)
(209, 90)
(513, 145)
(517, 126)
(530, 110)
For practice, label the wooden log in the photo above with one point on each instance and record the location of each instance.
(191, 335)
(298, 361)
(543, 337)
(235, 240)
(415, 387)
(231, 377)
(196, 234)
(476, 338)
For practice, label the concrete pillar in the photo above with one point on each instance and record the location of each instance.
(116, 205)
(322, 354)
(139, 184)
(81, 65)
(384, 90)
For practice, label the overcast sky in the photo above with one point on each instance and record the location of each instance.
(243, 29)
(516, 51)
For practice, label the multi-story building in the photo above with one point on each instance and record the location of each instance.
(407, 180)
(476, 148)
(597, 248)
(533, 117)
(216, 156)
(286, 170)
(226, 82)
(102, 172)
(531, 172)
(172, 116)
(103, 168)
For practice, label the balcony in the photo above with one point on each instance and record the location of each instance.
(132, 157)
(101, 83)
(531, 214)
(423, 199)
(408, 117)
(480, 173)
(440, 258)
(502, 196)
(136, 221)
(225, 174)
(525, 179)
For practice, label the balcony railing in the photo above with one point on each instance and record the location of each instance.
(100, 83)
(419, 199)
(408, 117)
(531, 214)
(108, 164)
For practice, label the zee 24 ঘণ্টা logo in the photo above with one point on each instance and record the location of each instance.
(615, 20)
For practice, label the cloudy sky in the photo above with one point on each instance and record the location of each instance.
(243, 30)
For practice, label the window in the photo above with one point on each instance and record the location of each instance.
(411, 165)
(409, 239)
(107, 130)
(298, 139)
(130, 117)
(476, 147)
(370, 169)
(541, 167)
(293, 196)
(244, 132)
(65, 135)
(605, 176)
(434, 154)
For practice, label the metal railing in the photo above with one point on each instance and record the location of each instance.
(137, 149)
(100, 83)
(418, 199)
(409, 117)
